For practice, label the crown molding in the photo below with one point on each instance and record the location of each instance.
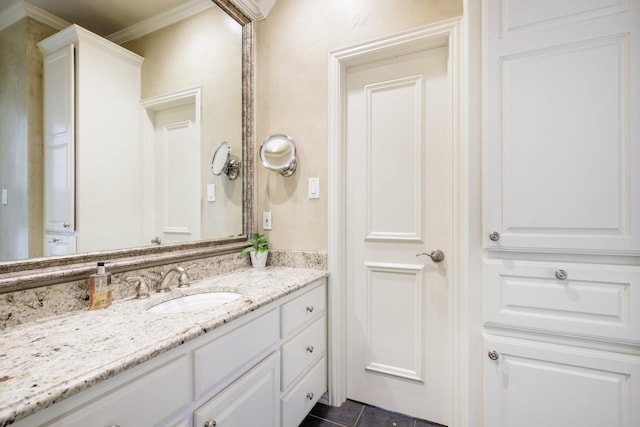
(257, 10)
(159, 21)
(22, 9)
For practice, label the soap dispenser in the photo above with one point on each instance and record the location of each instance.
(100, 294)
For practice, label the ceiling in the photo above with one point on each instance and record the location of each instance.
(106, 17)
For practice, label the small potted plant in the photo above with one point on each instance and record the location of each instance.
(258, 250)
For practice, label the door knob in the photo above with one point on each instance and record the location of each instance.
(436, 256)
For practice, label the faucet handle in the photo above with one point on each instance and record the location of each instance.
(142, 290)
(184, 281)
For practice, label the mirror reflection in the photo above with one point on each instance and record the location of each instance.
(278, 153)
(126, 181)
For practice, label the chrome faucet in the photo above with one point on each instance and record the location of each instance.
(165, 282)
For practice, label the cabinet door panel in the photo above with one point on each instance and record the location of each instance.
(145, 401)
(562, 154)
(250, 401)
(534, 384)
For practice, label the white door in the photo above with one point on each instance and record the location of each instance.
(176, 175)
(398, 204)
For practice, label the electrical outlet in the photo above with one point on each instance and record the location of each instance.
(266, 220)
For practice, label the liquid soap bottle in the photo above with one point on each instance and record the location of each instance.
(99, 289)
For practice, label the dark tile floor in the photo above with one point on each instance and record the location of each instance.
(355, 414)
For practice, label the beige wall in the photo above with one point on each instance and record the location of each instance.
(21, 221)
(293, 46)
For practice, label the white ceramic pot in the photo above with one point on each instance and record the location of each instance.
(259, 259)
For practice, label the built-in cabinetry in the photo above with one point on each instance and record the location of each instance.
(267, 368)
(91, 140)
(561, 216)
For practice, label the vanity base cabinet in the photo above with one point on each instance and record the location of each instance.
(232, 375)
(251, 400)
(532, 384)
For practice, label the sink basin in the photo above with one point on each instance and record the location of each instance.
(195, 302)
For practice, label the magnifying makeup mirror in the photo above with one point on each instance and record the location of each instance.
(278, 153)
(223, 163)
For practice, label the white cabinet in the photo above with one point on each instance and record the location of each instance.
(561, 135)
(252, 400)
(59, 141)
(249, 372)
(304, 362)
(91, 140)
(532, 384)
(561, 213)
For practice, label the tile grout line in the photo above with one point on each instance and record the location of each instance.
(329, 421)
(359, 415)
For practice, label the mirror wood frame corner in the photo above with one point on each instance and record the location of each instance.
(36, 272)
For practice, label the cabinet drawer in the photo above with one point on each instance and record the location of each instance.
(300, 400)
(532, 384)
(297, 312)
(593, 300)
(250, 401)
(220, 362)
(302, 350)
(144, 401)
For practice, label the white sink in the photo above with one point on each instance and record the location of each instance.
(195, 302)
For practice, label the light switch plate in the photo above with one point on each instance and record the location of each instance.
(211, 192)
(314, 188)
(266, 220)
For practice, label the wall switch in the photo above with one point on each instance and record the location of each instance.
(266, 220)
(211, 192)
(314, 188)
(5, 197)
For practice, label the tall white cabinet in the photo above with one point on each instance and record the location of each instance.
(561, 214)
(92, 143)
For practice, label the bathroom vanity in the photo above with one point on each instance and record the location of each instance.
(258, 360)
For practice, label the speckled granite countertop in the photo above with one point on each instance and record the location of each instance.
(45, 361)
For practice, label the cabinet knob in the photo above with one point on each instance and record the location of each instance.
(210, 423)
(310, 396)
(66, 225)
(310, 308)
(561, 274)
(493, 355)
(310, 349)
(494, 236)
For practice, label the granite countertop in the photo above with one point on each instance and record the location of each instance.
(45, 361)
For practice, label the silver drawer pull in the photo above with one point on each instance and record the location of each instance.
(210, 423)
(66, 225)
(493, 355)
(310, 349)
(561, 274)
(494, 236)
(310, 308)
(310, 396)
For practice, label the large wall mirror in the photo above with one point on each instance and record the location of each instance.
(197, 69)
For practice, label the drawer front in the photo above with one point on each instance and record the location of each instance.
(223, 360)
(297, 403)
(303, 350)
(252, 400)
(585, 300)
(299, 311)
(142, 402)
